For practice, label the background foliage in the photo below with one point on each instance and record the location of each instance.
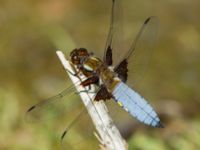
(31, 32)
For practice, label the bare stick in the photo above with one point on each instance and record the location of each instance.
(108, 135)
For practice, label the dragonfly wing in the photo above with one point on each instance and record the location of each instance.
(79, 133)
(140, 52)
(53, 107)
(82, 129)
(136, 105)
(114, 37)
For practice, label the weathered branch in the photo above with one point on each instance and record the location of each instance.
(108, 135)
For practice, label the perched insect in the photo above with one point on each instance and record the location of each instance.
(112, 81)
(112, 84)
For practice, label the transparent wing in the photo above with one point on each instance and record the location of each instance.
(140, 52)
(115, 34)
(79, 133)
(53, 107)
(80, 124)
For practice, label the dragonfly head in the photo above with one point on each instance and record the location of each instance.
(78, 56)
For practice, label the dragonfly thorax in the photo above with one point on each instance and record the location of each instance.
(106, 74)
(92, 64)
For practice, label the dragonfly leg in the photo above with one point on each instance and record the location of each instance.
(70, 72)
(90, 80)
(86, 91)
(74, 74)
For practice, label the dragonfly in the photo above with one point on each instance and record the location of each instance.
(111, 74)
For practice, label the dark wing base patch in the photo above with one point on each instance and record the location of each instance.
(108, 56)
(122, 70)
(103, 94)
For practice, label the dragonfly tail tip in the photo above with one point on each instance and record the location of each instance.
(160, 125)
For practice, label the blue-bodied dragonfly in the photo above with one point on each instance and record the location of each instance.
(111, 74)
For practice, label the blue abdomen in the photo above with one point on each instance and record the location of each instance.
(136, 105)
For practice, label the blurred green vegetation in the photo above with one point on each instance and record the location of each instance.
(31, 32)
